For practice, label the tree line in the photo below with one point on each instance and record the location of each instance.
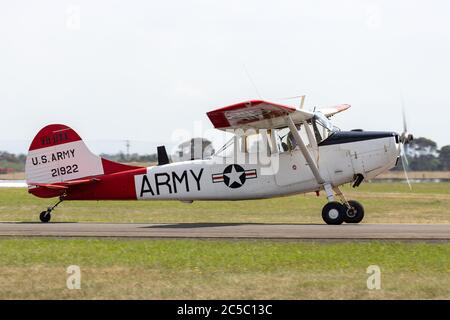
(422, 154)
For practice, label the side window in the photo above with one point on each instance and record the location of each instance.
(259, 143)
(281, 136)
(286, 141)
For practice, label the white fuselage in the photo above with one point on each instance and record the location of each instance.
(223, 179)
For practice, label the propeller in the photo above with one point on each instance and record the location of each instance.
(405, 164)
(405, 138)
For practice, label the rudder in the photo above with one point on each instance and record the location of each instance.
(57, 154)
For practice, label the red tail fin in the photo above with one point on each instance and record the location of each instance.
(58, 154)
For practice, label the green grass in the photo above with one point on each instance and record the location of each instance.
(417, 188)
(383, 202)
(194, 269)
(185, 269)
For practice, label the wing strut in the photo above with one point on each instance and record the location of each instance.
(312, 165)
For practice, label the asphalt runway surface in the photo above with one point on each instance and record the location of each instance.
(438, 232)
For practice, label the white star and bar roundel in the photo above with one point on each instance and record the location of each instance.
(234, 176)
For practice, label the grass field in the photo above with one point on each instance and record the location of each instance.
(219, 269)
(383, 202)
(195, 269)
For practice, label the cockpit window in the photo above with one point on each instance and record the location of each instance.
(251, 143)
(324, 121)
(322, 126)
(280, 140)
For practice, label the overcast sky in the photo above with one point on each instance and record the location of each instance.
(138, 70)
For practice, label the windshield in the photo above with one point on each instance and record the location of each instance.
(324, 121)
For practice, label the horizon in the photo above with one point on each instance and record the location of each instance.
(113, 147)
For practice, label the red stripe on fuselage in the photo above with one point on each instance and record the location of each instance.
(115, 186)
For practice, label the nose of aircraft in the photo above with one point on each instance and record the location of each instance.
(398, 145)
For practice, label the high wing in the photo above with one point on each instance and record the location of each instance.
(259, 114)
(256, 114)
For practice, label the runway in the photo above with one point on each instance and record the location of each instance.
(229, 231)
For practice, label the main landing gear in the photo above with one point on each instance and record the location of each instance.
(46, 215)
(335, 212)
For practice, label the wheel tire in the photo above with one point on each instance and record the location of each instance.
(45, 216)
(357, 215)
(333, 213)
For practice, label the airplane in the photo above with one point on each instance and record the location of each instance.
(297, 151)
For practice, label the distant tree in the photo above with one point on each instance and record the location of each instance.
(426, 162)
(12, 161)
(422, 155)
(444, 157)
(422, 146)
(121, 157)
(148, 158)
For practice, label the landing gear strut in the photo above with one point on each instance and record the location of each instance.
(46, 215)
(335, 212)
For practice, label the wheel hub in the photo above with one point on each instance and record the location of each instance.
(351, 212)
(333, 213)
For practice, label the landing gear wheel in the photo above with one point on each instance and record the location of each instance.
(333, 213)
(355, 213)
(45, 216)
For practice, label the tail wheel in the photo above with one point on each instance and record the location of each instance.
(355, 213)
(45, 216)
(333, 213)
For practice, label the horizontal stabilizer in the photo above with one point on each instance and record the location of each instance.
(63, 185)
